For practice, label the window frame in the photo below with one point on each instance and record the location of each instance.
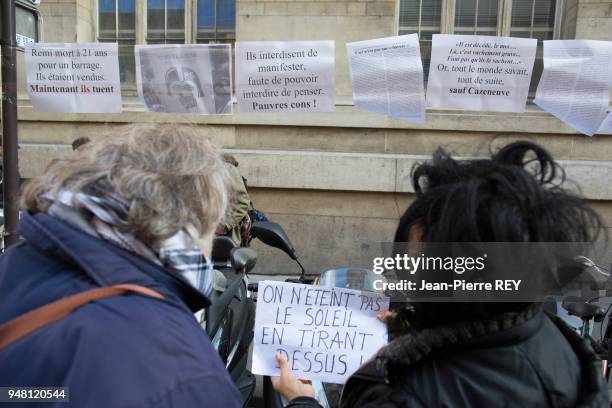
(141, 17)
(191, 23)
(214, 39)
(165, 38)
(504, 18)
(504, 25)
(96, 13)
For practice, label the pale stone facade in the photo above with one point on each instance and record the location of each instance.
(335, 181)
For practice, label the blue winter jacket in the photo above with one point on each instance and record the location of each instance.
(122, 351)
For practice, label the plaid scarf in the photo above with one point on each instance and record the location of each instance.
(104, 215)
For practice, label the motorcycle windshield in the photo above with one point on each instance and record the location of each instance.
(350, 278)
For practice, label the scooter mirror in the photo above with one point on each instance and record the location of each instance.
(243, 259)
(272, 234)
(221, 250)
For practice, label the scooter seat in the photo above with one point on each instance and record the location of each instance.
(579, 307)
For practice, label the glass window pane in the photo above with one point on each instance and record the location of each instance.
(127, 64)
(156, 24)
(25, 22)
(429, 14)
(409, 13)
(176, 19)
(541, 12)
(465, 13)
(487, 15)
(544, 13)
(521, 13)
(226, 14)
(106, 18)
(476, 17)
(127, 19)
(216, 21)
(533, 19)
(206, 14)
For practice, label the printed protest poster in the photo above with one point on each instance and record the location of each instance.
(574, 86)
(387, 77)
(185, 78)
(296, 76)
(480, 72)
(73, 77)
(325, 333)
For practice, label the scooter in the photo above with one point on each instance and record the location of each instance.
(230, 318)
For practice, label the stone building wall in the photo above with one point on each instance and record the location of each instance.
(336, 181)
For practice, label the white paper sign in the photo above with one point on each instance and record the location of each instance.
(325, 333)
(185, 78)
(73, 77)
(387, 76)
(296, 76)
(575, 83)
(480, 72)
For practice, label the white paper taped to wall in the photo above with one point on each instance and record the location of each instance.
(73, 77)
(481, 73)
(294, 76)
(387, 76)
(575, 84)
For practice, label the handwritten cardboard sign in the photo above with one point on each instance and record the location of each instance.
(325, 333)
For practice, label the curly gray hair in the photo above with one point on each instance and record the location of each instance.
(170, 175)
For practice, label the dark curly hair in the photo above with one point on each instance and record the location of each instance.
(515, 196)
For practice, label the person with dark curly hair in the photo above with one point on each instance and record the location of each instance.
(477, 354)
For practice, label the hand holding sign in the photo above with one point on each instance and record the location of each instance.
(324, 333)
(289, 386)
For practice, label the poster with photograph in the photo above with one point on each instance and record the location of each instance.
(185, 78)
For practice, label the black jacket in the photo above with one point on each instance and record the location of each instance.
(520, 360)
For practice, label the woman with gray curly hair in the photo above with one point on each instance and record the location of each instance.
(136, 211)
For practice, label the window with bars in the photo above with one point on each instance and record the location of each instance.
(117, 23)
(526, 19)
